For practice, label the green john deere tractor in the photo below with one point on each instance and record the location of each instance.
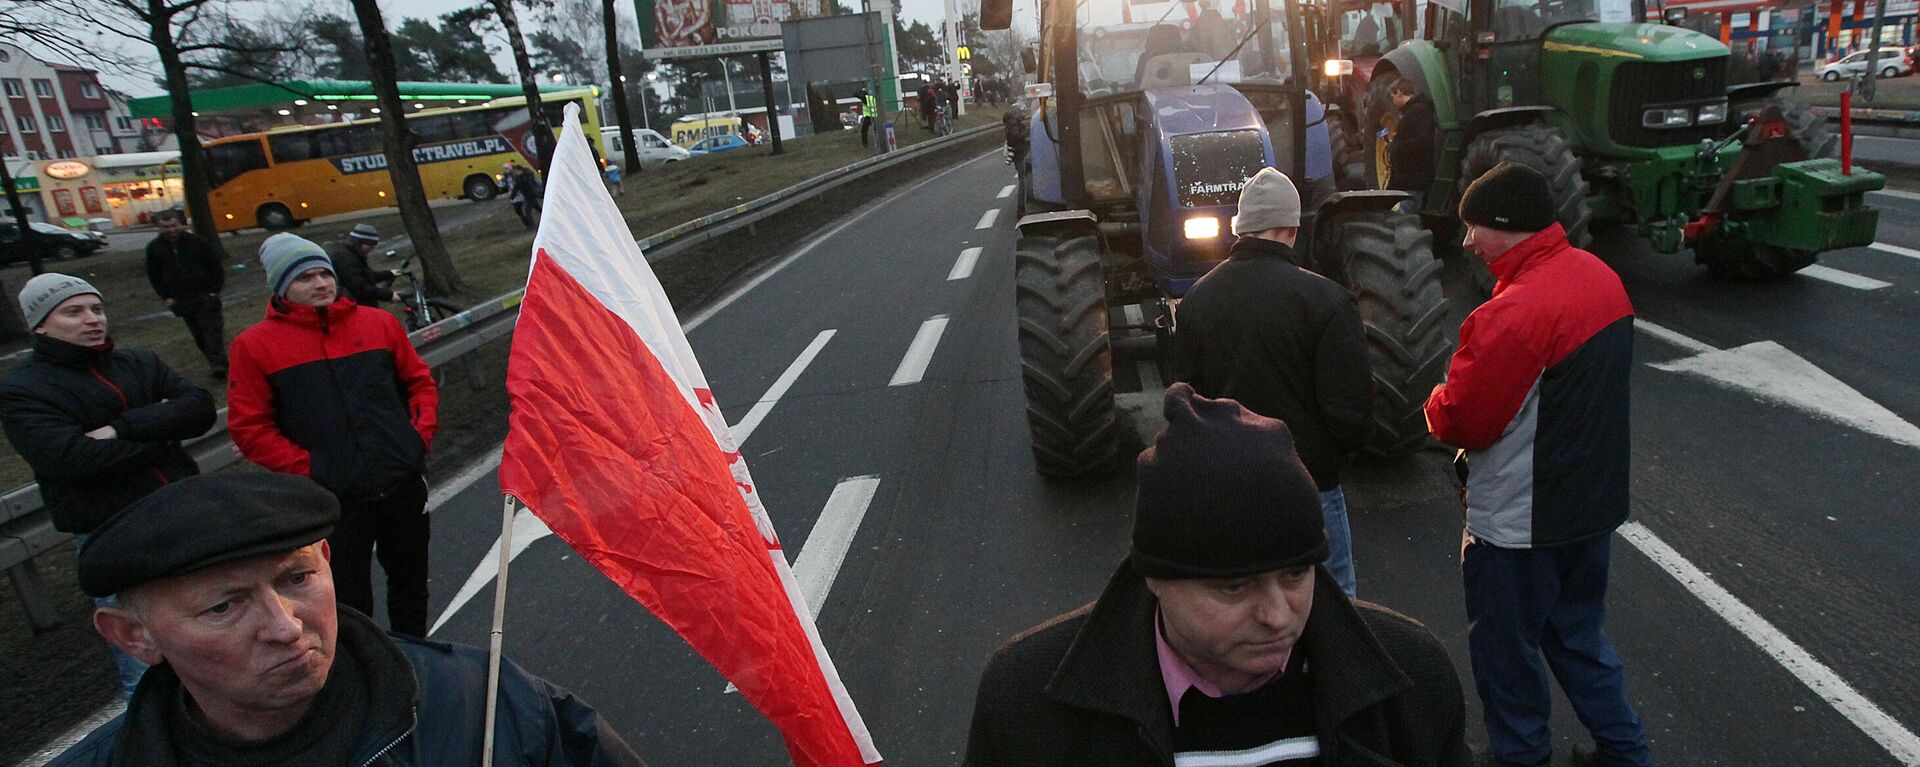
(1633, 123)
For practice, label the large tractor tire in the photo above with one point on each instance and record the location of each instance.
(1349, 152)
(1386, 259)
(1812, 131)
(1060, 299)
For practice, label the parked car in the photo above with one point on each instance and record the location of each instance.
(1893, 63)
(712, 144)
(655, 149)
(59, 242)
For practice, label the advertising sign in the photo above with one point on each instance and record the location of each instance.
(678, 29)
(65, 169)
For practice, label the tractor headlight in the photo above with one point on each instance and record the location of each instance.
(1203, 228)
(1337, 67)
(1712, 114)
(1666, 118)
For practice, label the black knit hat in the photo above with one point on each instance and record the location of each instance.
(1511, 197)
(1223, 495)
(203, 521)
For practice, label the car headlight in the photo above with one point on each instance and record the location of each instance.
(1202, 228)
(1666, 118)
(1712, 114)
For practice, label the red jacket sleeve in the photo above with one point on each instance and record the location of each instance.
(250, 418)
(1488, 380)
(423, 396)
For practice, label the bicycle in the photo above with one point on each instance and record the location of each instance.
(942, 122)
(419, 310)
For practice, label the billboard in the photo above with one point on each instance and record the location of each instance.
(675, 29)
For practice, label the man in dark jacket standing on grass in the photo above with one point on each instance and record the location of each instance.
(187, 274)
(1287, 344)
(100, 427)
(1537, 399)
(326, 389)
(359, 281)
(1219, 638)
(224, 587)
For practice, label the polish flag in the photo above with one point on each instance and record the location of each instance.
(616, 443)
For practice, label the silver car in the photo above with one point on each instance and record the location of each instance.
(655, 149)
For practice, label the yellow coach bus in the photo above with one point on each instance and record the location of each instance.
(282, 178)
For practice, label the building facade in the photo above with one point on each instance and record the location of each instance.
(56, 111)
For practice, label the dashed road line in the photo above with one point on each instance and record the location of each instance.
(913, 367)
(1895, 249)
(826, 547)
(751, 421)
(987, 219)
(1005, 192)
(1843, 279)
(1863, 713)
(1673, 337)
(963, 268)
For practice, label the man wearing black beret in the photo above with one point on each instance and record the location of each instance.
(1537, 399)
(1221, 635)
(224, 587)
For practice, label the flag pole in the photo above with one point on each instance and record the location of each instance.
(499, 626)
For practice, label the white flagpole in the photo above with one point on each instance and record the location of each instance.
(499, 627)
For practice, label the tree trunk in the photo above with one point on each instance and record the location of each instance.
(12, 323)
(612, 24)
(766, 93)
(193, 161)
(543, 139)
(399, 139)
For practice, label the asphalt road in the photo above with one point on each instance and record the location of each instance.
(1802, 521)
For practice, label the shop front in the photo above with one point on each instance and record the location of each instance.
(109, 191)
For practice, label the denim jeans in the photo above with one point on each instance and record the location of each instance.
(1524, 605)
(130, 668)
(1333, 513)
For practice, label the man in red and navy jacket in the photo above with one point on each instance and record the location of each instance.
(1537, 400)
(330, 390)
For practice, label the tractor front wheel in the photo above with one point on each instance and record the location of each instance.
(1812, 131)
(1544, 149)
(1349, 152)
(1065, 360)
(1386, 259)
(1731, 259)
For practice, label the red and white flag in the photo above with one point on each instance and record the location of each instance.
(616, 443)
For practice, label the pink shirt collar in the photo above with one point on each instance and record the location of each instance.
(1179, 677)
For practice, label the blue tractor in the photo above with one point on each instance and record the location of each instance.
(1142, 132)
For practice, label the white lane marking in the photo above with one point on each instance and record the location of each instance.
(465, 478)
(987, 218)
(1133, 314)
(963, 268)
(1672, 337)
(528, 528)
(77, 733)
(826, 547)
(1005, 192)
(1870, 718)
(913, 367)
(1895, 249)
(733, 295)
(744, 429)
(1843, 279)
(1774, 373)
(1150, 377)
(1897, 193)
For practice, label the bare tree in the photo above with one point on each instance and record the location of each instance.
(610, 22)
(543, 139)
(408, 192)
(185, 35)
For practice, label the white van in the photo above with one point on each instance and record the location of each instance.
(655, 149)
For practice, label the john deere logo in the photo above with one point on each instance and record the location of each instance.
(1699, 73)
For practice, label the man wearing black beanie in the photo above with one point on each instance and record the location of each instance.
(1537, 400)
(1221, 632)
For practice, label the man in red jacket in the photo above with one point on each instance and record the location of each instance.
(1537, 400)
(327, 389)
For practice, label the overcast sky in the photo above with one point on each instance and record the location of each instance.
(142, 83)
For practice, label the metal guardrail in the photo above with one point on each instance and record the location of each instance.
(26, 532)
